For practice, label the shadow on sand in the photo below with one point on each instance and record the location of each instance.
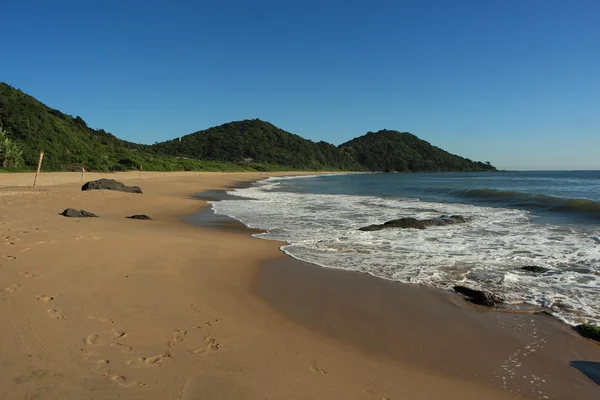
(590, 369)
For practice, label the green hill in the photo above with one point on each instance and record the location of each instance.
(404, 152)
(69, 144)
(261, 142)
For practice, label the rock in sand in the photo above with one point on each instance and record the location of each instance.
(73, 213)
(110, 184)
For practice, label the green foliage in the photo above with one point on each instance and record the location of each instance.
(250, 145)
(256, 141)
(11, 154)
(403, 152)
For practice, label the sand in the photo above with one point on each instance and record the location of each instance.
(112, 308)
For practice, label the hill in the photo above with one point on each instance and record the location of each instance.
(388, 150)
(261, 142)
(70, 144)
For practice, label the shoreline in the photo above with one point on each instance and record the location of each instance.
(538, 336)
(108, 307)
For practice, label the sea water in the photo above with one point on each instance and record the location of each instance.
(549, 219)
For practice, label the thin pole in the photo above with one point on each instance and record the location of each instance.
(82, 172)
(38, 168)
(141, 168)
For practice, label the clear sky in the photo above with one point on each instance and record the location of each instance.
(514, 82)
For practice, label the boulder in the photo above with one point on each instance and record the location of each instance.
(480, 297)
(535, 269)
(73, 213)
(414, 223)
(589, 331)
(110, 184)
(139, 216)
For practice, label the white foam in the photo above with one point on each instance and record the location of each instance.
(485, 253)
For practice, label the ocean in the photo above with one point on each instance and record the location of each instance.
(547, 219)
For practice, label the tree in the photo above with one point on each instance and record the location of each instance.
(11, 154)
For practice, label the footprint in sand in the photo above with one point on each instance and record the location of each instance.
(118, 334)
(12, 288)
(124, 348)
(211, 345)
(123, 381)
(317, 370)
(102, 364)
(93, 340)
(27, 275)
(106, 320)
(26, 249)
(176, 338)
(56, 314)
(151, 361)
(44, 298)
(12, 258)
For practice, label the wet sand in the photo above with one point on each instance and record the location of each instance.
(534, 355)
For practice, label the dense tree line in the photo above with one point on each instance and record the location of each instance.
(388, 150)
(70, 144)
(258, 141)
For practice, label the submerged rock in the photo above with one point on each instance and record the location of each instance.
(73, 213)
(589, 331)
(139, 216)
(535, 269)
(110, 184)
(480, 297)
(414, 223)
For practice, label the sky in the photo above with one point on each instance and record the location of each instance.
(513, 82)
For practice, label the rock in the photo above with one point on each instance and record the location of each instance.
(480, 297)
(414, 223)
(110, 184)
(73, 213)
(139, 216)
(589, 331)
(535, 269)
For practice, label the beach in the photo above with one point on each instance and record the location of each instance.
(109, 307)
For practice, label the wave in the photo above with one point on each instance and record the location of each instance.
(516, 199)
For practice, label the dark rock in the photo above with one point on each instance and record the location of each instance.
(589, 331)
(535, 269)
(139, 216)
(110, 184)
(72, 213)
(414, 223)
(480, 297)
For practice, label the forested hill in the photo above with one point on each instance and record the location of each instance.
(261, 142)
(404, 152)
(29, 126)
(66, 140)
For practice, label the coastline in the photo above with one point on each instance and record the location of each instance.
(110, 307)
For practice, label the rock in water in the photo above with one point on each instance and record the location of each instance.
(589, 331)
(139, 216)
(414, 223)
(535, 269)
(110, 184)
(480, 297)
(73, 213)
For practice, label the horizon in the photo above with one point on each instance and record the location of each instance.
(511, 83)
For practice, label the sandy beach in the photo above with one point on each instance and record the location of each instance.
(107, 308)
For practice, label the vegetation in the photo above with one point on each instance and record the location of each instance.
(403, 152)
(258, 141)
(11, 154)
(70, 144)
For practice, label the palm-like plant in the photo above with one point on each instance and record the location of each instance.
(11, 154)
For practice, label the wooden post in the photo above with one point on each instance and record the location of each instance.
(38, 168)
(82, 172)
(141, 168)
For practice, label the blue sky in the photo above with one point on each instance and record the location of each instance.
(516, 83)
